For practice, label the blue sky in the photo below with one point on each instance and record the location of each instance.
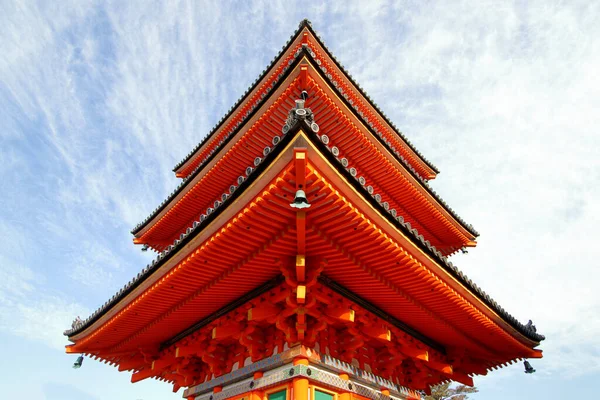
(99, 100)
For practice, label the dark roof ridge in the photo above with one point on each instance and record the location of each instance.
(293, 126)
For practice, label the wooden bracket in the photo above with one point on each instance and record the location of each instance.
(191, 349)
(135, 362)
(461, 378)
(226, 331)
(415, 353)
(263, 311)
(378, 332)
(143, 374)
(441, 367)
(301, 268)
(301, 294)
(340, 313)
(303, 76)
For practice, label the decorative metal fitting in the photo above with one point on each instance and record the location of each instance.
(299, 112)
(300, 200)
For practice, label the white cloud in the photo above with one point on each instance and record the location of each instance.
(27, 307)
(100, 101)
(43, 319)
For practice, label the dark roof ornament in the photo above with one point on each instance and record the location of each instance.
(77, 364)
(300, 113)
(300, 200)
(77, 321)
(304, 22)
(528, 368)
(531, 327)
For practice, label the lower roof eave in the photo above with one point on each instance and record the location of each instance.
(319, 155)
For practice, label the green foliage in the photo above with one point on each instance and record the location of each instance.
(445, 391)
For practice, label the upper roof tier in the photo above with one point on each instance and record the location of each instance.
(353, 92)
(357, 137)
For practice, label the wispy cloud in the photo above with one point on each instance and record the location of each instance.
(99, 100)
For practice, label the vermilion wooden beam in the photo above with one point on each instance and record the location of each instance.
(461, 378)
(416, 353)
(162, 363)
(263, 311)
(340, 313)
(226, 331)
(300, 157)
(301, 294)
(301, 264)
(474, 367)
(303, 76)
(441, 367)
(377, 332)
(133, 363)
(190, 349)
(143, 374)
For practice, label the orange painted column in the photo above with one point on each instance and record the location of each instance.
(300, 384)
(345, 395)
(257, 394)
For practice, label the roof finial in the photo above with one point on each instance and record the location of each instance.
(77, 321)
(305, 22)
(299, 112)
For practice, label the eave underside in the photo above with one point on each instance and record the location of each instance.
(257, 241)
(354, 143)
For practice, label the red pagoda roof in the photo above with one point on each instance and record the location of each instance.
(252, 95)
(404, 190)
(217, 262)
(242, 274)
(196, 228)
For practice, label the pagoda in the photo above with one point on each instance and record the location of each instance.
(304, 256)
